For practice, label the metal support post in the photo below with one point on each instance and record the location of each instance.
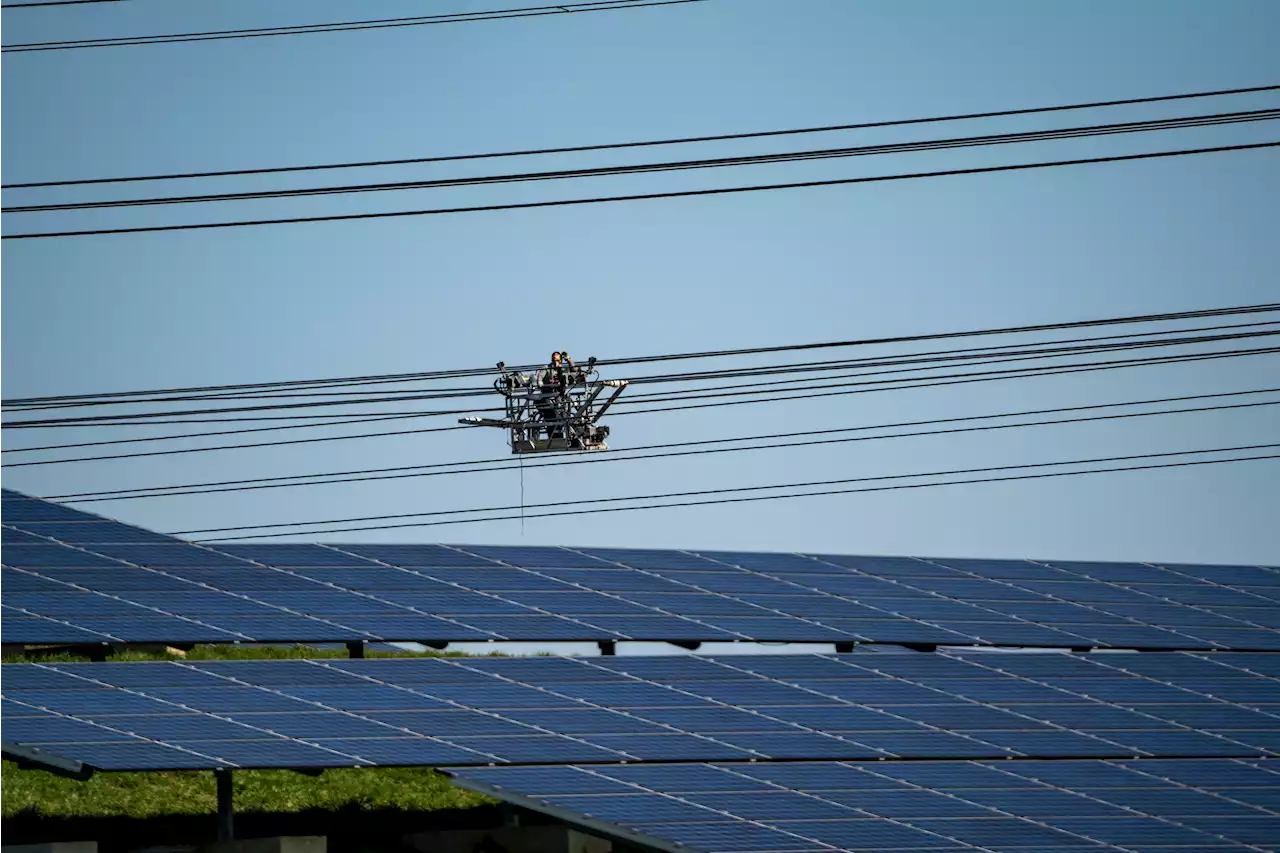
(844, 648)
(226, 807)
(608, 647)
(355, 649)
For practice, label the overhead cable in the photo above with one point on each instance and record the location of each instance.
(530, 205)
(669, 495)
(1236, 310)
(984, 378)
(682, 165)
(665, 397)
(665, 451)
(342, 26)
(653, 142)
(1022, 353)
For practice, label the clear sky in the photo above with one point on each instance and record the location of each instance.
(352, 298)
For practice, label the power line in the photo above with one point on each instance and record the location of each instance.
(695, 394)
(57, 3)
(1079, 132)
(341, 26)
(1257, 308)
(649, 143)
(529, 205)
(1045, 372)
(930, 362)
(507, 464)
(668, 495)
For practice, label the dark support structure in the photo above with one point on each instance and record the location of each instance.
(226, 807)
(355, 649)
(438, 645)
(845, 648)
(691, 645)
(920, 647)
(608, 647)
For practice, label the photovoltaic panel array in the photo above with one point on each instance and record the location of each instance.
(606, 710)
(72, 577)
(1086, 806)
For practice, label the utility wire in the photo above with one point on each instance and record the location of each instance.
(342, 26)
(650, 143)
(529, 205)
(929, 363)
(680, 396)
(407, 471)
(1080, 132)
(1046, 372)
(668, 495)
(1257, 308)
(724, 373)
(58, 3)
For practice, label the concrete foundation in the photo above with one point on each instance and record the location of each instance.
(511, 839)
(53, 847)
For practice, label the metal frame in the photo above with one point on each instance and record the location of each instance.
(566, 419)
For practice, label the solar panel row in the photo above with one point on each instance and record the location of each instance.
(73, 577)
(459, 711)
(1155, 806)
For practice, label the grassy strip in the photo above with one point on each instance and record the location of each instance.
(144, 795)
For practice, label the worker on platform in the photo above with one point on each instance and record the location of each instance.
(554, 383)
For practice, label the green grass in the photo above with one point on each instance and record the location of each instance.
(145, 795)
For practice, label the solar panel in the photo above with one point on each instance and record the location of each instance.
(937, 806)
(443, 593)
(520, 710)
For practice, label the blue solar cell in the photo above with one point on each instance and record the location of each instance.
(14, 580)
(449, 723)
(845, 718)
(1179, 743)
(1252, 690)
(713, 720)
(1174, 665)
(1258, 639)
(1087, 592)
(499, 580)
(117, 580)
(581, 721)
(537, 627)
(1268, 617)
(14, 536)
(141, 755)
(415, 555)
(1173, 801)
(275, 752)
(382, 579)
(731, 582)
(1247, 830)
(552, 780)
(790, 667)
(854, 586)
(998, 691)
(919, 666)
(51, 555)
(669, 746)
(201, 603)
(224, 697)
(293, 555)
(1094, 716)
(500, 696)
(930, 608)
(395, 627)
(1047, 742)
(177, 726)
(33, 630)
(762, 562)
(1053, 612)
(930, 744)
(1213, 775)
(330, 602)
(457, 603)
(1004, 569)
(875, 692)
(813, 606)
(616, 580)
(362, 698)
(910, 566)
(631, 695)
(647, 559)
(93, 532)
(315, 724)
(945, 774)
(248, 580)
(52, 730)
(412, 671)
(576, 602)
(91, 703)
(894, 631)
(16, 508)
(405, 751)
(1043, 665)
(1133, 830)
(158, 629)
(809, 745)
(542, 748)
(64, 604)
(287, 628)
(777, 805)
(1192, 593)
(1010, 633)
(162, 556)
(1229, 575)
(966, 717)
(1116, 572)
(908, 803)
(536, 558)
(1261, 664)
(974, 589)
(1010, 831)
(1040, 802)
(634, 808)
(543, 671)
(777, 628)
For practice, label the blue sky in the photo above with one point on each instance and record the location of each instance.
(352, 298)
